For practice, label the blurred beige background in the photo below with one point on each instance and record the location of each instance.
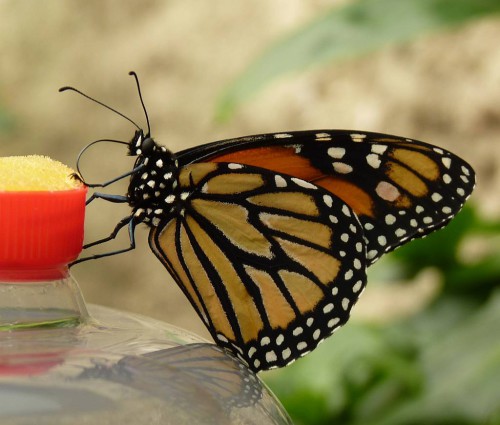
(443, 89)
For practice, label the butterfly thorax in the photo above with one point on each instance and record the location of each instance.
(153, 189)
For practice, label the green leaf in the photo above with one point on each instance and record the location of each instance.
(461, 368)
(350, 31)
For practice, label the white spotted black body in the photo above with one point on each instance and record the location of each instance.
(153, 191)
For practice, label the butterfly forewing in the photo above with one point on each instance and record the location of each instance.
(272, 263)
(399, 189)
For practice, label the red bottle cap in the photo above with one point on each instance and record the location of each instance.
(41, 232)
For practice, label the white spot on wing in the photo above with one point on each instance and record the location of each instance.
(357, 137)
(303, 183)
(328, 200)
(346, 211)
(446, 162)
(379, 149)
(342, 167)
(357, 286)
(271, 357)
(336, 152)
(327, 308)
(279, 181)
(345, 303)
(400, 232)
(387, 191)
(222, 338)
(390, 219)
(331, 323)
(373, 160)
(436, 197)
(301, 345)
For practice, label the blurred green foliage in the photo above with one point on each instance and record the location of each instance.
(6, 120)
(348, 31)
(438, 366)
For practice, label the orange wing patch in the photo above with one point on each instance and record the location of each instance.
(296, 202)
(418, 162)
(358, 199)
(276, 158)
(272, 297)
(232, 220)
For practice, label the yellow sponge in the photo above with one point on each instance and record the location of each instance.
(35, 173)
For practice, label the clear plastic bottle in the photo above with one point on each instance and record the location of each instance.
(61, 363)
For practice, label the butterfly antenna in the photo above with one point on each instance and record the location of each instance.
(100, 103)
(140, 97)
(91, 144)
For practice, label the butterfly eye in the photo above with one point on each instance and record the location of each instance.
(148, 146)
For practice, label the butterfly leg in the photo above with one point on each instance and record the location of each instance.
(122, 176)
(110, 198)
(131, 222)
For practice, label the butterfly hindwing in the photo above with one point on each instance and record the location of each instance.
(400, 189)
(272, 263)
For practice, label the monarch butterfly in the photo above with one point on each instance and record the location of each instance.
(269, 236)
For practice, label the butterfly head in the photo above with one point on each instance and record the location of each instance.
(142, 144)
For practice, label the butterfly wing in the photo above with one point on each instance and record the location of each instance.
(399, 188)
(271, 263)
